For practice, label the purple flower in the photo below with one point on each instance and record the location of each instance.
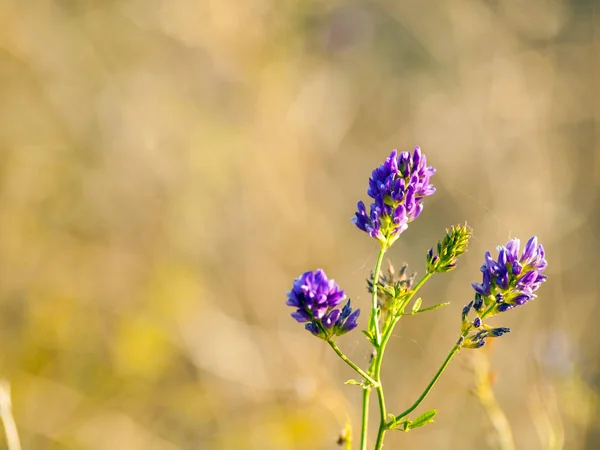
(397, 188)
(316, 298)
(511, 280)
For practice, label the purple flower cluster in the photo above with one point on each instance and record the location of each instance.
(316, 298)
(397, 188)
(510, 280)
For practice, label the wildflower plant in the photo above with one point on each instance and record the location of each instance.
(398, 189)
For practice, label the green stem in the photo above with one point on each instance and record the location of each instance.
(380, 396)
(351, 364)
(434, 380)
(374, 318)
(383, 426)
(418, 286)
(364, 428)
(373, 325)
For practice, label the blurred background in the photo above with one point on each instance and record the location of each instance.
(168, 167)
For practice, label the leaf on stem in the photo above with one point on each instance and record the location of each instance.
(407, 424)
(423, 419)
(417, 305)
(370, 336)
(434, 307)
(430, 308)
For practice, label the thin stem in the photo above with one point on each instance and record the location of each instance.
(419, 285)
(380, 396)
(374, 318)
(361, 372)
(365, 412)
(389, 328)
(377, 374)
(373, 324)
(434, 380)
(364, 428)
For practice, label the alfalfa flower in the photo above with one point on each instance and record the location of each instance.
(508, 281)
(316, 299)
(397, 188)
(512, 279)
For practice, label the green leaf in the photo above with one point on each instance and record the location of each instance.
(370, 336)
(387, 290)
(431, 308)
(417, 305)
(423, 419)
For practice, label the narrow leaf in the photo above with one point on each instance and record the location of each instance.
(423, 419)
(370, 336)
(430, 308)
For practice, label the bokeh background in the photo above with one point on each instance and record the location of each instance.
(167, 167)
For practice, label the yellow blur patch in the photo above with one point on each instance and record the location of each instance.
(141, 349)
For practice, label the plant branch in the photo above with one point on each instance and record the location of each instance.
(348, 361)
(434, 380)
(374, 317)
(388, 329)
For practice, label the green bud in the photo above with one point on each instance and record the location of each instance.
(449, 249)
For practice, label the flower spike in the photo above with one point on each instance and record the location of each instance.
(397, 187)
(508, 282)
(511, 281)
(317, 298)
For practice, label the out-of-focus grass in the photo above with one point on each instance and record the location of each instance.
(168, 167)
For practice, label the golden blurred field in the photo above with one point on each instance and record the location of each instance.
(167, 167)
